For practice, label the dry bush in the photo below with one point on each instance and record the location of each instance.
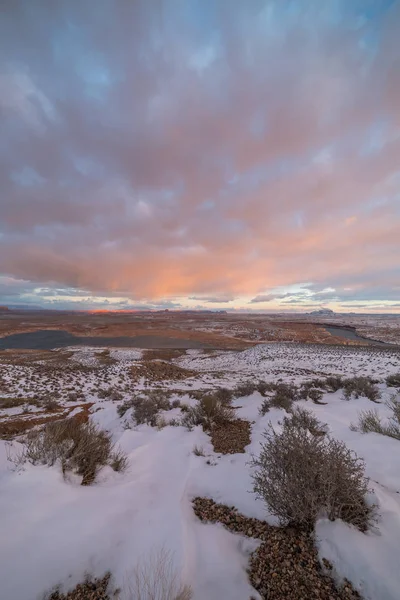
(333, 383)
(265, 406)
(51, 405)
(301, 418)
(300, 476)
(369, 421)
(314, 389)
(315, 395)
(245, 389)
(361, 387)
(263, 387)
(284, 396)
(209, 411)
(146, 408)
(160, 398)
(156, 579)
(118, 461)
(393, 380)
(224, 395)
(79, 447)
(394, 405)
(12, 402)
(176, 404)
(125, 406)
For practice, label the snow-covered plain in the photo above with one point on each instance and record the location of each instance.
(54, 531)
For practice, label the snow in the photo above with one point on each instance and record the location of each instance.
(54, 530)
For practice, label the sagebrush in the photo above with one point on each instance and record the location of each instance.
(209, 411)
(358, 387)
(305, 419)
(369, 421)
(301, 476)
(82, 448)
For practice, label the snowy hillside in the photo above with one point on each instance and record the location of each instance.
(55, 530)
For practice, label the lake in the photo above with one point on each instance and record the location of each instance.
(49, 339)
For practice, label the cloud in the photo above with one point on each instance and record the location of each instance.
(213, 299)
(151, 153)
(264, 298)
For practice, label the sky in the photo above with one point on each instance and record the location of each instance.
(219, 154)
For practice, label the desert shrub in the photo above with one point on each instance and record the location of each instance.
(209, 411)
(301, 418)
(184, 408)
(104, 393)
(314, 388)
(155, 578)
(79, 447)
(284, 396)
(263, 387)
(393, 380)
(115, 395)
(125, 406)
(161, 422)
(333, 383)
(224, 395)
(146, 409)
(175, 404)
(300, 476)
(12, 402)
(160, 398)
(245, 389)
(369, 421)
(265, 406)
(359, 387)
(315, 395)
(394, 405)
(51, 405)
(119, 461)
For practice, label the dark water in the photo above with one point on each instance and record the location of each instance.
(49, 339)
(351, 335)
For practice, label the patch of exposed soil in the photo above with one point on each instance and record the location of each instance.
(286, 565)
(14, 426)
(156, 370)
(164, 354)
(231, 437)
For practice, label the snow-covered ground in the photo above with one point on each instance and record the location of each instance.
(54, 531)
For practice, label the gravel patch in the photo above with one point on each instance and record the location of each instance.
(91, 589)
(286, 565)
(231, 437)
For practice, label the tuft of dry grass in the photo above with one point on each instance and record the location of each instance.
(198, 451)
(79, 447)
(393, 380)
(369, 421)
(155, 578)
